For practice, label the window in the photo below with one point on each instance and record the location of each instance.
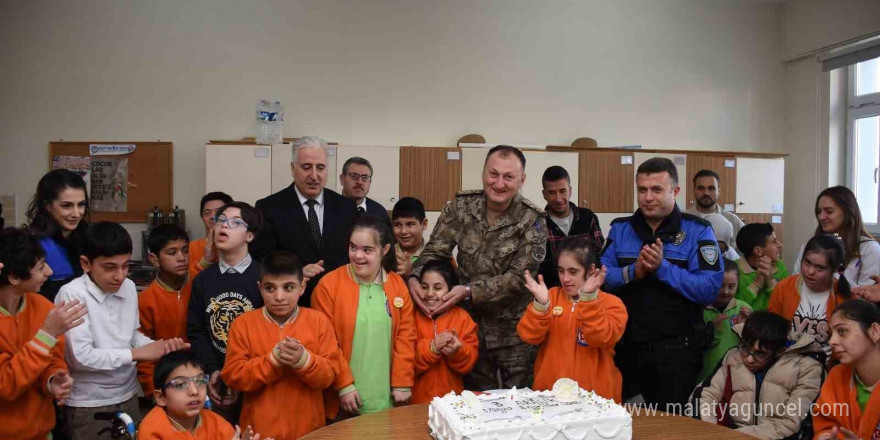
(863, 138)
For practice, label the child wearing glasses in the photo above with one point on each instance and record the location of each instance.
(282, 353)
(220, 294)
(102, 352)
(787, 379)
(180, 389)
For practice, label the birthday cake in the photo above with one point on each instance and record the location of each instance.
(565, 413)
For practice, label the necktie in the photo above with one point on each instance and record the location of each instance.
(361, 210)
(313, 221)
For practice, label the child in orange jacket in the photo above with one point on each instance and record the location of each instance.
(162, 307)
(447, 345)
(807, 300)
(372, 313)
(32, 368)
(848, 406)
(577, 325)
(281, 356)
(202, 252)
(180, 390)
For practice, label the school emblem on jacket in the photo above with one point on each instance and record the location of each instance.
(398, 302)
(580, 338)
(679, 238)
(709, 252)
(557, 311)
(223, 309)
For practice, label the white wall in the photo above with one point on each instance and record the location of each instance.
(681, 74)
(811, 98)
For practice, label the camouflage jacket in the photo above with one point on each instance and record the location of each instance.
(491, 259)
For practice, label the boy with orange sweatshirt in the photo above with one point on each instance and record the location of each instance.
(32, 368)
(447, 345)
(162, 307)
(282, 353)
(576, 315)
(203, 252)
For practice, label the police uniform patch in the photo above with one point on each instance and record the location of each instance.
(538, 253)
(679, 239)
(709, 252)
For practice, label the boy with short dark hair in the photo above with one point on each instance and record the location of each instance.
(282, 353)
(32, 368)
(787, 380)
(223, 292)
(761, 266)
(408, 223)
(180, 388)
(103, 352)
(162, 307)
(202, 252)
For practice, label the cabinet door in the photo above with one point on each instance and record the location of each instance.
(722, 166)
(680, 161)
(472, 160)
(432, 175)
(242, 171)
(606, 181)
(760, 185)
(385, 187)
(537, 162)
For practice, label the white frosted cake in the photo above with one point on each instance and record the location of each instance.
(566, 413)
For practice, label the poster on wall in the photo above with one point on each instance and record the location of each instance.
(81, 165)
(109, 176)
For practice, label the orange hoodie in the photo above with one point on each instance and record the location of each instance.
(436, 374)
(281, 402)
(29, 357)
(786, 297)
(840, 388)
(577, 341)
(157, 426)
(336, 295)
(162, 314)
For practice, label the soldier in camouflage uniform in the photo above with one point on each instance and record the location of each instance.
(495, 248)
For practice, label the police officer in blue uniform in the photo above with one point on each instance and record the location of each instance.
(666, 267)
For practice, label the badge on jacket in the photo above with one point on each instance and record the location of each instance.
(398, 302)
(709, 252)
(557, 311)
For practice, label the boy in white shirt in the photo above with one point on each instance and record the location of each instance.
(102, 353)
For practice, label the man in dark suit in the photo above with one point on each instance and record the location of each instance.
(356, 178)
(307, 219)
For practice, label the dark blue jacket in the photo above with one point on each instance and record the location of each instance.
(667, 303)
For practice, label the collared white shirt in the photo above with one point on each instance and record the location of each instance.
(240, 267)
(98, 352)
(319, 208)
(363, 204)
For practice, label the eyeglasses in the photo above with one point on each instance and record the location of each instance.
(182, 383)
(759, 356)
(361, 177)
(231, 223)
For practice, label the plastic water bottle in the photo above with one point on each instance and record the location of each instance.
(270, 120)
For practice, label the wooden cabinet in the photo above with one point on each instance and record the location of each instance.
(719, 164)
(244, 171)
(385, 187)
(606, 181)
(432, 175)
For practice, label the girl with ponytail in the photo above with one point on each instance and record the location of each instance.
(808, 299)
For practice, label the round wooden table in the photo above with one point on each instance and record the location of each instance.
(411, 422)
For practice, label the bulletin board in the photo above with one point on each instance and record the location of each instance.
(129, 192)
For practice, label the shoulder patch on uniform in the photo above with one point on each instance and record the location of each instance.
(539, 252)
(709, 252)
(469, 193)
(696, 219)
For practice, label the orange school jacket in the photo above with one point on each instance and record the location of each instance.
(840, 388)
(577, 342)
(157, 426)
(28, 358)
(436, 374)
(281, 402)
(162, 313)
(336, 295)
(786, 297)
(196, 252)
